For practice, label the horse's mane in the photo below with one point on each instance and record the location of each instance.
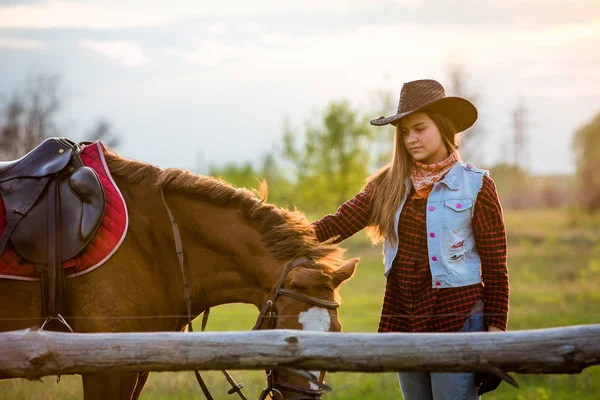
(287, 234)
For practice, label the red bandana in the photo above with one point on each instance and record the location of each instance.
(424, 176)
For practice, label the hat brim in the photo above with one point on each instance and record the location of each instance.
(460, 111)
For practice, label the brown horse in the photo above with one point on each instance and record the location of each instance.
(235, 247)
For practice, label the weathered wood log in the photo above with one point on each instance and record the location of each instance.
(34, 353)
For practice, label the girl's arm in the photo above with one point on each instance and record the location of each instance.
(490, 239)
(351, 217)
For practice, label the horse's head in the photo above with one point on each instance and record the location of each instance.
(304, 298)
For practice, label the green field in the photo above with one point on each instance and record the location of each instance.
(554, 263)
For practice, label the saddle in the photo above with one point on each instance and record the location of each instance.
(54, 206)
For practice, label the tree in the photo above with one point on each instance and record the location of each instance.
(10, 143)
(243, 175)
(103, 131)
(471, 139)
(586, 146)
(383, 137)
(513, 185)
(520, 138)
(30, 116)
(334, 160)
(280, 190)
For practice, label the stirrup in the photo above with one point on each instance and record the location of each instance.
(58, 318)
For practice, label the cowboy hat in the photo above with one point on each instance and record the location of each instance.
(428, 95)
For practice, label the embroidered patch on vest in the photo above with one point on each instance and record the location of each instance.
(458, 246)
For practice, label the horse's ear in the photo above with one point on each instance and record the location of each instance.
(344, 272)
(306, 277)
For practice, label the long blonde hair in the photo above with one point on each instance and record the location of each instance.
(388, 182)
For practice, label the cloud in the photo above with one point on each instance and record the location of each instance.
(350, 62)
(563, 92)
(116, 14)
(209, 53)
(251, 27)
(217, 28)
(63, 14)
(560, 35)
(409, 44)
(7, 42)
(539, 70)
(127, 53)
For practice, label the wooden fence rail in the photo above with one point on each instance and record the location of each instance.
(34, 353)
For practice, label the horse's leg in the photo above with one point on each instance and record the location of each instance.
(141, 381)
(109, 386)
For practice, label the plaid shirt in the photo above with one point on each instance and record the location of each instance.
(410, 303)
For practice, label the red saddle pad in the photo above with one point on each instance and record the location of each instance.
(105, 243)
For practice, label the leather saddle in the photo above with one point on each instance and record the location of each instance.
(54, 206)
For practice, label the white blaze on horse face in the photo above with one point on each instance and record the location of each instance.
(315, 319)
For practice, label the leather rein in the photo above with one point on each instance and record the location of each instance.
(268, 314)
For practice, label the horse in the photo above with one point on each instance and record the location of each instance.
(237, 249)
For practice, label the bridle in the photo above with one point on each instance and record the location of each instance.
(268, 314)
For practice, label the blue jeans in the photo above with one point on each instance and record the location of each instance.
(443, 385)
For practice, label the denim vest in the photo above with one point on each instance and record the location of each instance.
(453, 257)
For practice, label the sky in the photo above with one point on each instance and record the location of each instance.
(191, 83)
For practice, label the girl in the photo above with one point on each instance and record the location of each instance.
(443, 231)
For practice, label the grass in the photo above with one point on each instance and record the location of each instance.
(554, 262)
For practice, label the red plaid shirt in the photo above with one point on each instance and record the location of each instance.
(411, 304)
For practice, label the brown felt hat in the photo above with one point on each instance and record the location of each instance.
(428, 95)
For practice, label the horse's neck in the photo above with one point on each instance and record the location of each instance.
(228, 261)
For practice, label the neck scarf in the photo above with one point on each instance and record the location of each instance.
(424, 176)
